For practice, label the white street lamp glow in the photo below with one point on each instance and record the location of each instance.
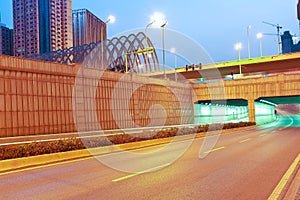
(111, 19)
(172, 50)
(259, 35)
(157, 19)
(238, 46)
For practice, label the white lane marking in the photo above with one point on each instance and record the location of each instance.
(215, 149)
(246, 140)
(262, 135)
(139, 173)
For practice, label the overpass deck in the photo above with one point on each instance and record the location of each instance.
(260, 65)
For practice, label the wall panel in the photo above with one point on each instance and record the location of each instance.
(36, 98)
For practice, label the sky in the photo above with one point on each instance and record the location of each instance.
(216, 25)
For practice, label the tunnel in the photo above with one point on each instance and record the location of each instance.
(281, 106)
(266, 110)
(220, 111)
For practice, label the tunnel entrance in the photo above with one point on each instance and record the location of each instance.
(266, 110)
(282, 105)
(220, 111)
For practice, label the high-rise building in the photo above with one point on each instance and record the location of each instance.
(6, 40)
(41, 26)
(288, 45)
(60, 27)
(87, 27)
(26, 27)
(287, 42)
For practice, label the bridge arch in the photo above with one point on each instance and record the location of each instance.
(113, 52)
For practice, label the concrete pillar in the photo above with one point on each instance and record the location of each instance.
(251, 110)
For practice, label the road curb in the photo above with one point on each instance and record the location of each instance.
(293, 191)
(45, 159)
(283, 186)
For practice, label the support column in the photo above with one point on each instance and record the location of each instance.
(251, 110)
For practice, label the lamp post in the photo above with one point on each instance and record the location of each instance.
(147, 40)
(238, 47)
(260, 36)
(160, 20)
(248, 38)
(173, 50)
(111, 19)
(163, 44)
(148, 25)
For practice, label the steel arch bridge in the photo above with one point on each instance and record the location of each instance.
(116, 54)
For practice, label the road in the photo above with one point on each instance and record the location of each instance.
(243, 165)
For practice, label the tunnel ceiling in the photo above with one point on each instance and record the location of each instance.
(231, 102)
(282, 100)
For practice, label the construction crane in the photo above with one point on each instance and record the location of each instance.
(278, 27)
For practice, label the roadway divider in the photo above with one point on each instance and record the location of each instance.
(11, 165)
(92, 134)
(88, 134)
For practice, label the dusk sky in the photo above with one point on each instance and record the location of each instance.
(216, 25)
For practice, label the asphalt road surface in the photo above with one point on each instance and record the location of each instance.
(242, 165)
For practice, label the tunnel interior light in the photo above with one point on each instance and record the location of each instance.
(205, 110)
(268, 102)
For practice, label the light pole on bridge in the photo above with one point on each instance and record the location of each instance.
(238, 47)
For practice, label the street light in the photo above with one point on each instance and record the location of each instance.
(158, 19)
(260, 36)
(248, 37)
(163, 44)
(238, 47)
(111, 19)
(147, 40)
(173, 50)
(148, 25)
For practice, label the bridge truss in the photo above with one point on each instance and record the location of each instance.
(116, 54)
